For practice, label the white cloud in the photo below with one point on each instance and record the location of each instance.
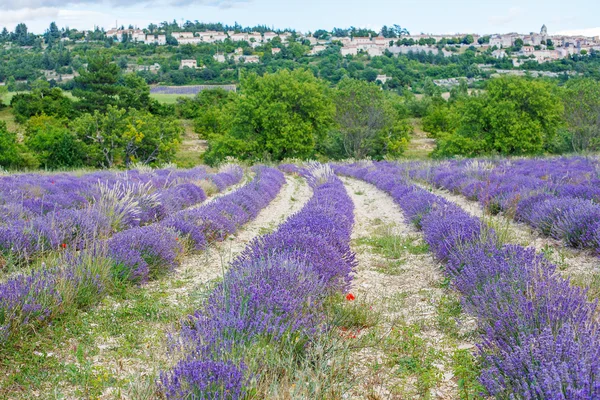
(36, 4)
(513, 13)
(582, 32)
(12, 17)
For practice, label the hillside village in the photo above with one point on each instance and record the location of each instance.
(520, 48)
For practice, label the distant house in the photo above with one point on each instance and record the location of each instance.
(383, 78)
(375, 51)
(285, 36)
(136, 35)
(186, 38)
(219, 37)
(188, 64)
(499, 54)
(181, 35)
(160, 40)
(316, 50)
(312, 40)
(255, 37)
(344, 40)
(382, 41)
(349, 50)
(219, 57)
(275, 50)
(238, 37)
(250, 59)
(268, 36)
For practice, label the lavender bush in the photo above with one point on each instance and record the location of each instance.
(86, 263)
(273, 293)
(540, 337)
(560, 197)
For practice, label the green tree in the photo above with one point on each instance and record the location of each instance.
(581, 100)
(134, 92)
(367, 123)
(468, 39)
(102, 135)
(96, 85)
(150, 139)
(41, 100)
(10, 152)
(278, 115)
(518, 44)
(120, 137)
(514, 116)
(54, 144)
(3, 93)
(52, 35)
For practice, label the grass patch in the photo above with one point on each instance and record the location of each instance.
(467, 370)
(82, 355)
(449, 310)
(410, 356)
(393, 247)
(169, 98)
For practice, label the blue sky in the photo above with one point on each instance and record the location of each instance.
(428, 16)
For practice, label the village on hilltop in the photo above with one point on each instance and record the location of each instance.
(520, 48)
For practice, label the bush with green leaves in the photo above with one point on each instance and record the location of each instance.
(276, 116)
(369, 122)
(53, 143)
(514, 116)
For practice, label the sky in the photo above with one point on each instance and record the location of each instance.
(424, 16)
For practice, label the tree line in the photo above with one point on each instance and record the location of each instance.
(516, 116)
(111, 121)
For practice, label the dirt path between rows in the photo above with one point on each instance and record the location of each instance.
(198, 269)
(124, 342)
(571, 262)
(406, 298)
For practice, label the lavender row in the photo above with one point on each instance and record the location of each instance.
(37, 194)
(80, 279)
(558, 197)
(145, 252)
(539, 339)
(114, 205)
(273, 293)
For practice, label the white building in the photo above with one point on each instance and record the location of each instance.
(219, 57)
(275, 50)
(255, 37)
(188, 64)
(238, 37)
(383, 78)
(268, 36)
(349, 50)
(160, 40)
(375, 51)
(316, 50)
(499, 54)
(250, 59)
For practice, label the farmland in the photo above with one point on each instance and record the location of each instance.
(454, 279)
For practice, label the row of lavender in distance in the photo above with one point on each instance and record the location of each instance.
(145, 252)
(560, 197)
(272, 296)
(540, 338)
(42, 214)
(79, 279)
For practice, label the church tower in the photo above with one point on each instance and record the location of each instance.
(544, 31)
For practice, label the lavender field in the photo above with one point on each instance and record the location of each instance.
(369, 280)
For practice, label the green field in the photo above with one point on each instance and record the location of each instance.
(169, 98)
(163, 98)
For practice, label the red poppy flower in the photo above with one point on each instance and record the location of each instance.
(64, 245)
(350, 297)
